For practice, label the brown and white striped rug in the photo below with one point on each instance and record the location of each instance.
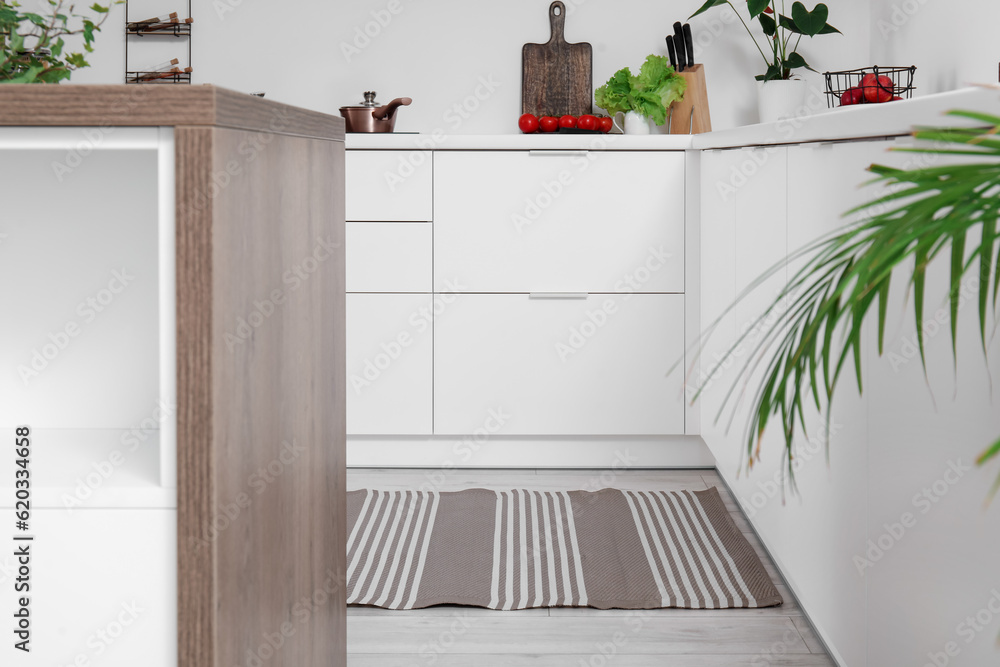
(609, 549)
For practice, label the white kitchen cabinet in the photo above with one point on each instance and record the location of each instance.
(389, 257)
(389, 364)
(389, 186)
(104, 590)
(560, 366)
(597, 222)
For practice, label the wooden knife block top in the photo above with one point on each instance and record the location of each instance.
(691, 115)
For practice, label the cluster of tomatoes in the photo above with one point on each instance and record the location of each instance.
(873, 90)
(529, 123)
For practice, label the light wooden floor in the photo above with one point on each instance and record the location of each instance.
(473, 637)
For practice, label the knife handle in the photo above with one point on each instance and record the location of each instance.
(679, 46)
(689, 43)
(671, 52)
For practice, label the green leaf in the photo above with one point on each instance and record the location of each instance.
(773, 72)
(794, 61)
(957, 262)
(919, 280)
(757, 7)
(985, 268)
(810, 23)
(708, 5)
(768, 24)
(100, 9)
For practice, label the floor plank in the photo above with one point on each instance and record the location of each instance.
(547, 660)
(632, 633)
(809, 635)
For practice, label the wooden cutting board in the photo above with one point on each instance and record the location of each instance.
(557, 77)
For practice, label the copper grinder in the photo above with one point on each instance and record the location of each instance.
(369, 116)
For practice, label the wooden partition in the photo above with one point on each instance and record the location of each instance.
(260, 344)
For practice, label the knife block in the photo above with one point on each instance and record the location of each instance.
(690, 115)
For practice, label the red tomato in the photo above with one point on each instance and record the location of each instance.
(604, 124)
(877, 89)
(549, 123)
(587, 122)
(852, 96)
(528, 123)
(567, 121)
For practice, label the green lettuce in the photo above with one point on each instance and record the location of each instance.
(650, 93)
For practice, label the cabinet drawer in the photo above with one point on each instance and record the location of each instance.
(593, 366)
(545, 221)
(389, 364)
(389, 257)
(389, 185)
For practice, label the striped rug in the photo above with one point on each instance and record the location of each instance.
(518, 549)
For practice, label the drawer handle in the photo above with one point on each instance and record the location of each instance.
(549, 153)
(558, 295)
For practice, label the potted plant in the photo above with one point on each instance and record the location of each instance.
(642, 98)
(780, 92)
(951, 210)
(32, 45)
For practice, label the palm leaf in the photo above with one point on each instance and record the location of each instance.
(818, 316)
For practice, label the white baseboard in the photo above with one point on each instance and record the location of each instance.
(681, 451)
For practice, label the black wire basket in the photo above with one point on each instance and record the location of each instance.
(890, 83)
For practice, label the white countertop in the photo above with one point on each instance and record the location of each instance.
(863, 121)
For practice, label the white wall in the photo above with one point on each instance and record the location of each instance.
(952, 42)
(439, 51)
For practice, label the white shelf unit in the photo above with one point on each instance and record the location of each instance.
(89, 297)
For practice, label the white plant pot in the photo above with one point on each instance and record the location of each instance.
(636, 124)
(780, 99)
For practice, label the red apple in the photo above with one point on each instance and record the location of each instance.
(851, 96)
(877, 89)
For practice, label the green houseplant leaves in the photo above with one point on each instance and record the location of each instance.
(779, 53)
(845, 277)
(32, 45)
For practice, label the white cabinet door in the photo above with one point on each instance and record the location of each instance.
(389, 257)
(595, 222)
(103, 588)
(389, 186)
(389, 364)
(593, 366)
